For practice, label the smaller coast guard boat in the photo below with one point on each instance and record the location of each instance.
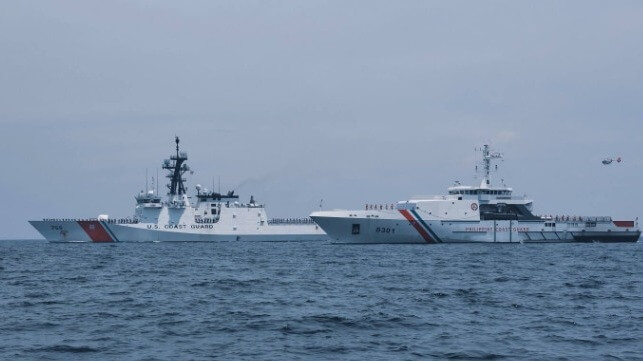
(483, 213)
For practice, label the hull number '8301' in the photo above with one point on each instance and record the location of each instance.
(384, 230)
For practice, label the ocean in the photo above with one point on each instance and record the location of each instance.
(319, 301)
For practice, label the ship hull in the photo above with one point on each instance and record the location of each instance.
(98, 231)
(392, 226)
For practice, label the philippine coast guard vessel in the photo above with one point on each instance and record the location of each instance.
(213, 217)
(469, 214)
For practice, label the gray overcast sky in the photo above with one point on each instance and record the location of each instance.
(297, 101)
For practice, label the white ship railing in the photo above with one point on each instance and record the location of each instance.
(110, 221)
(566, 218)
(305, 220)
(206, 220)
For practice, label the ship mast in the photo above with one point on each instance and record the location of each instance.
(487, 156)
(176, 167)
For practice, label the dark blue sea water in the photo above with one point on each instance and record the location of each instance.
(298, 301)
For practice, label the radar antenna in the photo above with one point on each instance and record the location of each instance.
(176, 167)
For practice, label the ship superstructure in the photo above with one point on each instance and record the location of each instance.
(483, 213)
(211, 217)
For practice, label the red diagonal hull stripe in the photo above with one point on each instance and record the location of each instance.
(417, 226)
(95, 231)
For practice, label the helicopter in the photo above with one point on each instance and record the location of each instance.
(608, 161)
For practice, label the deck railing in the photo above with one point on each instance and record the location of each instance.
(305, 220)
(110, 221)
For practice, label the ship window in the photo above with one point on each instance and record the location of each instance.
(355, 229)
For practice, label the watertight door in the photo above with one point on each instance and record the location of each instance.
(503, 231)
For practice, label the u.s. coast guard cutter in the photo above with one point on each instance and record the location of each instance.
(213, 217)
(483, 213)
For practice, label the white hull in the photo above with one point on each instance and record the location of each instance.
(391, 226)
(483, 213)
(102, 231)
(213, 217)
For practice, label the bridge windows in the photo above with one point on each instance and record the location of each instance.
(503, 211)
(473, 192)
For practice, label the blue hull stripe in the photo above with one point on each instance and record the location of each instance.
(426, 226)
(104, 224)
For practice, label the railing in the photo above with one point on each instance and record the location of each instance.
(206, 220)
(566, 218)
(305, 220)
(375, 207)
(110, 221)
(122, 221)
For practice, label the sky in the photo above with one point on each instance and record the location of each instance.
(295, 102)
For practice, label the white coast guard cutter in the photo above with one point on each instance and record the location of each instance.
(213, 217)
(469, 214)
